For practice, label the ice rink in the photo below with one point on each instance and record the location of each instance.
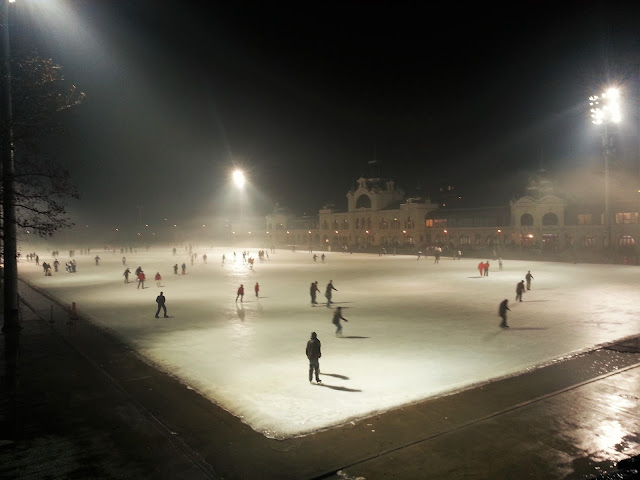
(416, 329)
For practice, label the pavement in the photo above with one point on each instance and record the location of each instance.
(76, 403)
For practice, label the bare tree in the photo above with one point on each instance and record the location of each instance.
(41, 99)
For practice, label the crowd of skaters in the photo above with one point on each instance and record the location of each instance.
(313, 347)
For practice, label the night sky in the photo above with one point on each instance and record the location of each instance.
(304, 95)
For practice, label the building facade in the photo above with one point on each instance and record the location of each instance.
(543, 223)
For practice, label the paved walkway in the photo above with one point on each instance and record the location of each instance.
(76, 403)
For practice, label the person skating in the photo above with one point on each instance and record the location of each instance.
(184, 268)
(529, 277)
(240, 293)
(486, 268)
(256, 288)
(126, 274)
(160, 300)
(313, 290)
(329, 290)
(141, 279)
(314, 353)
(337, 316)
(502, 313)
(519, 290)
(158, 279)
(175, 269)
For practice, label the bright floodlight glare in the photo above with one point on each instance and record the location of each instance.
(606, 108)
(238, 178)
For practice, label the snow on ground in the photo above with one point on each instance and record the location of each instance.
(416, 329)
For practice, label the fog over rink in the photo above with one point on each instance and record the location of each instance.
(416, 329)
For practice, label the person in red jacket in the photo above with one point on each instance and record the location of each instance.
(158, 279)
(141, 278)
(257, 289)
(240, 293)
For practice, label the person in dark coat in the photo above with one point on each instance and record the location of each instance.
(502, 313)
(337, 316)
(314, 353)
(519, 290)
(313, 291)
(160, 300)
(329, 291)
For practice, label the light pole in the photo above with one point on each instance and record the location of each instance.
(10, 248)
(605, 111)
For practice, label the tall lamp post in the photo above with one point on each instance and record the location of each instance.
(10, 249)
(605, 111)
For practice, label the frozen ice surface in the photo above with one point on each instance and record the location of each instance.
(416, 329)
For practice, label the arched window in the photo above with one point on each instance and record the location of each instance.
(363, 202)
(550, 219)
(626, 241)
(526, 220)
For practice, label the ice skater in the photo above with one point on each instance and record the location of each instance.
(314, 353)
(256, 289)
(337, 316)
(486, 268)
(240, 293)
(160, 300)
(141, 279)
(184, 268)
(529, 277)
(126, 274)
(519, 290)
(313, 290)
(502, 313)
(158, 279)
(328, 292)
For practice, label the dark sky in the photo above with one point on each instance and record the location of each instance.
(303, 95)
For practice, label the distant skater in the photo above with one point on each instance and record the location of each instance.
(519, 290)
(529, 277)
(256, 289)
(313, 291)
(124, 260)
(500, 264)
(337, 316)
(314, 353)
(158, 279)
(175, 269)
(97, 259)
(126, 274)
(502, 313)
(160, 300)
(184, 268)
(481, 268)
(329, 291)
(240, 293)
(486, 268)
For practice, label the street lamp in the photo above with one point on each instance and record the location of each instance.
(605, 111)
(10, 247)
